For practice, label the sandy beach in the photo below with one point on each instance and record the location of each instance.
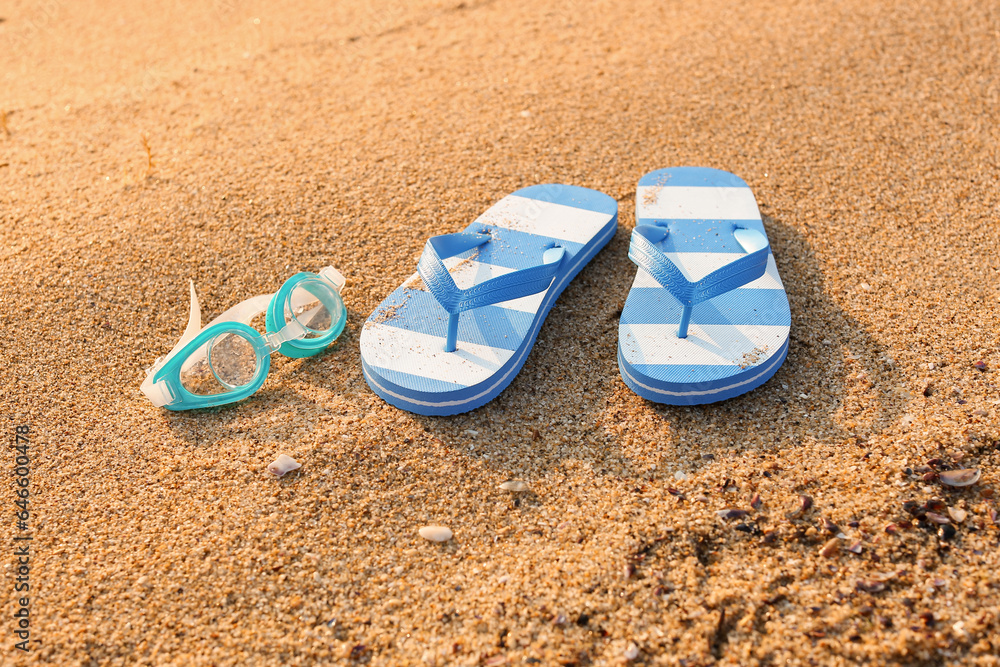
(232, 143)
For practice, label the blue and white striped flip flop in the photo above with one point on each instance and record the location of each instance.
(457, 332)
(707, 317)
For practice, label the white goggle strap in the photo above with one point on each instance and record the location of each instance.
(159, 394)
(335, 277)
(244, 311)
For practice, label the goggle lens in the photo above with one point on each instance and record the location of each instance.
(315, 305)
(227, 362)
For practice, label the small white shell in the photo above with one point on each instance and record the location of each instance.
(957, 514)
(436, 533)
(514, 486)
(283, 464)
(960, 477)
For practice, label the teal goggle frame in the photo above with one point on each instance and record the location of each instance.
(229, 360)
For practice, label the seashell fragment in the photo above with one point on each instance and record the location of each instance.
(939, 519)
(830, 549)
(515, 486)
(755, 502)
(830, 526)
(935, 505)
(436, 533)
(805, 502)
(870, 586)
(965, 477)
(855, 548)
(631, 652)
(957, 514)
(731, 513)
(284, 463)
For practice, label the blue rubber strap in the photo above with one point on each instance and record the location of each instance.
(502, 288)
(643, 251)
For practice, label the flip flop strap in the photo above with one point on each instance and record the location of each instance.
(509, 286)
(644, 253)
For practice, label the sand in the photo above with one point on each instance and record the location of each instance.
(288, 136)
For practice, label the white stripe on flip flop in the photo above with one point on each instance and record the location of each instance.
(695, 203)
(767, 368)
(706, 262)
(423, 354)
(706, 344)
(533, 216)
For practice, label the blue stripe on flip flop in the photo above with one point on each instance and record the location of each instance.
(693, 177)
(577, 197)
(686, 374)
(513, 249)
(432, 387)
(700, 235)
(652, 305)
(497, 327)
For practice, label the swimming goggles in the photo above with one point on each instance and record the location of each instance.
(228, 360)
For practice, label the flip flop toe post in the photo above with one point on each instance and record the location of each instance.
(456, 333)
(707, 317)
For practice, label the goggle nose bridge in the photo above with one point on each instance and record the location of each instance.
(293, 330)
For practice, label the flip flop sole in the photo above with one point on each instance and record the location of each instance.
(402, 343)
(737, 340)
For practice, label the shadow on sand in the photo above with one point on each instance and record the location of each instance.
(569, 402)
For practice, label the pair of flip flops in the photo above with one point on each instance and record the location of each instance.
(706, 319)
